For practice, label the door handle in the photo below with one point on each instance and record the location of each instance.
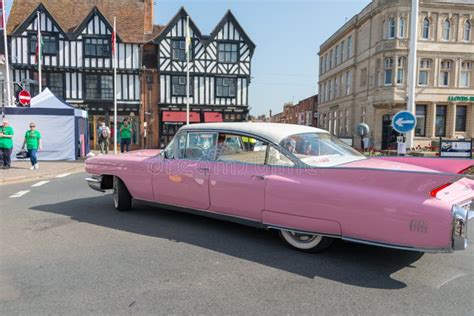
(258, 177)
(203, 169)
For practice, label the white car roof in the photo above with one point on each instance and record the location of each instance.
(274, 132)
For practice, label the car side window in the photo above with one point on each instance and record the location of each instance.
(277, 158)
(197, 145)
(240, 148)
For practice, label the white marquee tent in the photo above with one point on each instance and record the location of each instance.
(63, 128)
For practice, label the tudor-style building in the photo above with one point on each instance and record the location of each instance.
(220, 68)
(77, 53)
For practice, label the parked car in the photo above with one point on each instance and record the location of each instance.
(302, 182)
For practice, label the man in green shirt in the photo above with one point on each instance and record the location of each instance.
(33, 144)
(125, 136)
(6, 143)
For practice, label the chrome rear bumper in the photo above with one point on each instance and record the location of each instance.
(463, 217)
(95, 182)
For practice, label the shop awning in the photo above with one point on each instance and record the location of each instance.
(211, 117)
(180, 116)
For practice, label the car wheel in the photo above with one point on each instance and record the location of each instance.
(122, 198)
(305, 242)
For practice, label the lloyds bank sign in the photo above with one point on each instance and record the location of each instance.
(461, 98)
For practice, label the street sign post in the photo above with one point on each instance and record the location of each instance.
(404, 122)
(24, 97)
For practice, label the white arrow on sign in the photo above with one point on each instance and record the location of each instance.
(401, 122)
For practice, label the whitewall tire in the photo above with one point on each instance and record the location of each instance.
(305, 242)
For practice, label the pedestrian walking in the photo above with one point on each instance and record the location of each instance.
(125, 136)
(104, 138)
(33, 144)
(6, 143)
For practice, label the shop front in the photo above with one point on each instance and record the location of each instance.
(99, 114)
(171, 120)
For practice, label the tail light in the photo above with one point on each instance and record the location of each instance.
(434, 192)
(468, 170)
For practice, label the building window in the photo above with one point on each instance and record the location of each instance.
(348, 82)
(401, 70)
(391, 28)
(226, 87)
(446, 66)
(349, 47)
(465, 74)
(336, 87)
(388, 71)
(467, 31)
(328, 66)
(228, 53)
(106, 87)
(97, 47)
(342, 51)
(424, 72)
(330, 90)
(440, 126)
(178, 86)
(56, 84)
(322, 64)
(426, 29)
(330, 59)
(363, 77)
(401, 27)
(50, 44)
(99, 87)
(461, 113)
(446, 30)
(178, 48)
(420, 129)
(363, 114)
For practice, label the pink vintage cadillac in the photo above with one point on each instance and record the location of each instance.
(300, 181)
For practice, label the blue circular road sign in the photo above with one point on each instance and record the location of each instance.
(404, 121)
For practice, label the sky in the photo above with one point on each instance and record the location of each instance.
(287, 33)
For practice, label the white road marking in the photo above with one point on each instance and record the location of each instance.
(19, 194)
(63, 175)
(39, 183)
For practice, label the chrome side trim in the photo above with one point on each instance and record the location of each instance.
(367, 242)
(461, 219)
(393, 246)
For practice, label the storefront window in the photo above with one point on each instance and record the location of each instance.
(420, 129)
(440, 128)
(461, 112)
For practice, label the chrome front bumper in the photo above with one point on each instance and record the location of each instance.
(95, 182)
(463, 216)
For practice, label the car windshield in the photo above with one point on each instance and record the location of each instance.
(320, 149)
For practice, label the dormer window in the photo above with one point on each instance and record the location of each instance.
(97, 47)
(50, 44)
(178, 47)
(228, 52)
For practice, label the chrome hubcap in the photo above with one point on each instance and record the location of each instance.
(115, 194)
(301, 240)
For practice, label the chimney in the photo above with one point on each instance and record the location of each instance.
(148, 26)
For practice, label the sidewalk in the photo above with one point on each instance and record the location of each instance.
(20, 170)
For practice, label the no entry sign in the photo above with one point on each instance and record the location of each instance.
(24, 97)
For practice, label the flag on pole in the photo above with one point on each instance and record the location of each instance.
(39, 48)
(1, 15)
(188, 38)
(113, 43)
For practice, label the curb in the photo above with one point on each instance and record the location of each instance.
(28, 178)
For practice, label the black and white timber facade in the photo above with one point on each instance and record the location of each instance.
(220, 72)
(77, 66)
